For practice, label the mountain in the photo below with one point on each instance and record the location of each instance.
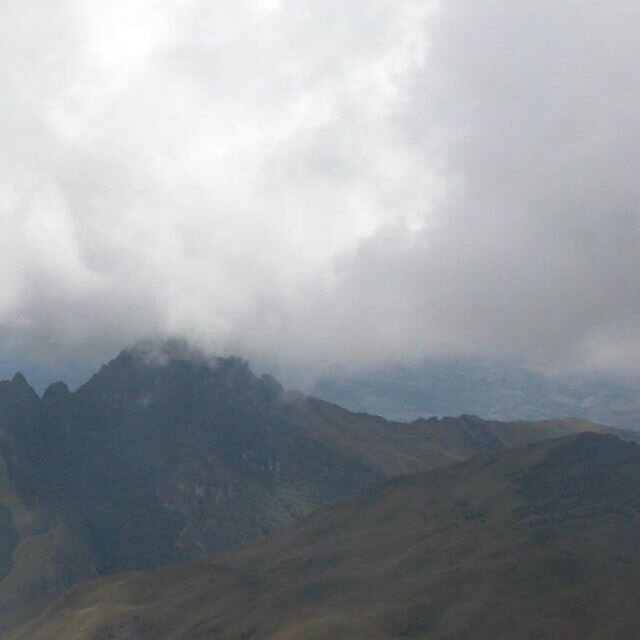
(536, 542)
(42, 545)
(167, 461)
(166, 456)
(493, 389)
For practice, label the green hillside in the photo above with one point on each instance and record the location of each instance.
(538, 542)
(162, 460)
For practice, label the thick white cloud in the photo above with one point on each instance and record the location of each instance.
(317, 182)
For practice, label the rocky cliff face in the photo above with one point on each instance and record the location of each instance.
(187, 456)
(168, 456)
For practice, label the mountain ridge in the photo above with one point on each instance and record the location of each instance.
(480, 549)
(166, 456)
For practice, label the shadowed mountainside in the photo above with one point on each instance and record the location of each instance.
(42, 544)
(167, 456)
(537, 542)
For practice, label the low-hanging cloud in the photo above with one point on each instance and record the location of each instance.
(311, 183)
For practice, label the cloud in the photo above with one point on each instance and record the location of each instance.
(321, 182)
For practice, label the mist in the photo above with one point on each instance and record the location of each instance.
(321, 184)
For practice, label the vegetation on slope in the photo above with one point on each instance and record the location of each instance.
(167, 456)
(538, 542)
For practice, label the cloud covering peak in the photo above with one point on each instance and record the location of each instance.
(321, 182)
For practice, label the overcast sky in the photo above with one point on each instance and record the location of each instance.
(312, 182)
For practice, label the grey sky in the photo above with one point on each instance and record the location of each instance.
(315, 182)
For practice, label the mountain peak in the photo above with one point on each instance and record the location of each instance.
(162, 352)
(55, 392)
(18, 378)
(19, 387)
(156, 355)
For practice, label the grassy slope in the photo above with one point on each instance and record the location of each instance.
(47, 559)
(50, 554)
(539, 542)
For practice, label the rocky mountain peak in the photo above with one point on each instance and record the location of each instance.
(18, 403)
(55, 393)
(19, 379)
(148, 366)
(17, 386)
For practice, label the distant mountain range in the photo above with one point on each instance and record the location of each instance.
(494, 390)
(166, 456)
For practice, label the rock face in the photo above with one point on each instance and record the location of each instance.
(165, 455)
(168, 461)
